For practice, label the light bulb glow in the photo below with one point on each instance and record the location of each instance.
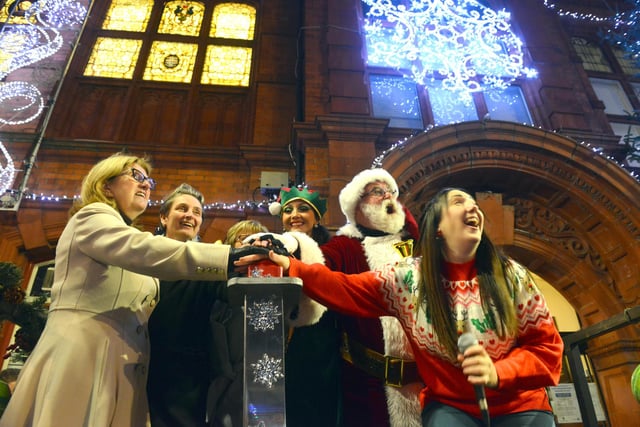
(468, 46)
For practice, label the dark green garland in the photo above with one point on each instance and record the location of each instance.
(30, 315)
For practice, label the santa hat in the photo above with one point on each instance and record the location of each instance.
(288, 195)
(354, 190)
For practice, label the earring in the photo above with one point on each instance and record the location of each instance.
(316, 225)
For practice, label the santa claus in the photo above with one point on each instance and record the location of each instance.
(380, 384)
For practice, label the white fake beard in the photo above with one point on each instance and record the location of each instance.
(387, 216)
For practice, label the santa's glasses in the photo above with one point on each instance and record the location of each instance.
(379, 192)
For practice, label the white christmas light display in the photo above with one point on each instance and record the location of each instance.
(467, 45)
(24, 44)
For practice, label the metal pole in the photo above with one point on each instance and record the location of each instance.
(572, 350)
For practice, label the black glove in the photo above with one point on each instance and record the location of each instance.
(237, 253)
(274, 244)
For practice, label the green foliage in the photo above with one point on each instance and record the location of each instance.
(10, 275)
(29, 314)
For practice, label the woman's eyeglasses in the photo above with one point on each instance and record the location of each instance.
(140, 177)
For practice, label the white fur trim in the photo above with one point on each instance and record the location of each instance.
(353, 191)
(403, 403)
(404, 406)
(275, 208)
(309, 311)
(349, 230)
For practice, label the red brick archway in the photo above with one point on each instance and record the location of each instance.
(576, 220)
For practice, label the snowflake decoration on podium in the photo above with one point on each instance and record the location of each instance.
(267, 370)
(264, 315)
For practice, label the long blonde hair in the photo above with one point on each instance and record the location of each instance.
(93, 183)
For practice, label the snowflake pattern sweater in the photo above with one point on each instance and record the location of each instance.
(525, 365)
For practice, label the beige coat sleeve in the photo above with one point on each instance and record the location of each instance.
(101, 234)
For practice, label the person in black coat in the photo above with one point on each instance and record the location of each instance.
(195, 372)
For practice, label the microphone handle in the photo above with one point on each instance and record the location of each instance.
(482, 403)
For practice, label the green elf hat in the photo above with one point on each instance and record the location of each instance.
(288, 195)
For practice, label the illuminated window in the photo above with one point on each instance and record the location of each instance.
(448, 107)
(414, 106)
(181, 17)
(230, 65)
(12, 12)
(396, 98)
(114, 58)
(171, 62)
(233, 21)
(168, 47)
(508, 105)
(225, 65)
(128, 15)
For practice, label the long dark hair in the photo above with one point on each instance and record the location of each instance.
(493, 269)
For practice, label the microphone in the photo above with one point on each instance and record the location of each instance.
(465, 341)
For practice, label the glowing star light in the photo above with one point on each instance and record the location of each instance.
(461, 43)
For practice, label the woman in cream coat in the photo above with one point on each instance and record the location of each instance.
(89, 367)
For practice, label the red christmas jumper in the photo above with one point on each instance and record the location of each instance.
(525, 365)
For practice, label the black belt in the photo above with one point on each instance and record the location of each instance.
(394, 371)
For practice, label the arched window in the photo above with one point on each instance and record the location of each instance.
(177, 41)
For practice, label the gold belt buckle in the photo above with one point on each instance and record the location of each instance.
(387, 361)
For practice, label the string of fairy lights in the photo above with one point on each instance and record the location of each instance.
(23, 45)
(237, 206)
(404, 143)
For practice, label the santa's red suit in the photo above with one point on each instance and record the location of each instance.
(372, 347)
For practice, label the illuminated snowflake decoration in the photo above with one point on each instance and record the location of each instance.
(264, 315)
(267, 370)
(25, 39)
(463, 44)
(7, 171)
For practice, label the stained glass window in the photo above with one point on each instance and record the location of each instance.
(233, 21)
(171, 62)
(175, 45)
(113, 58)
(226, 65)
(181, 17)
(16, 10)
(128, 15)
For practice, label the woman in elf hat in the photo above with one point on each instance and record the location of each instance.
(312, 369)
(301, 210)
